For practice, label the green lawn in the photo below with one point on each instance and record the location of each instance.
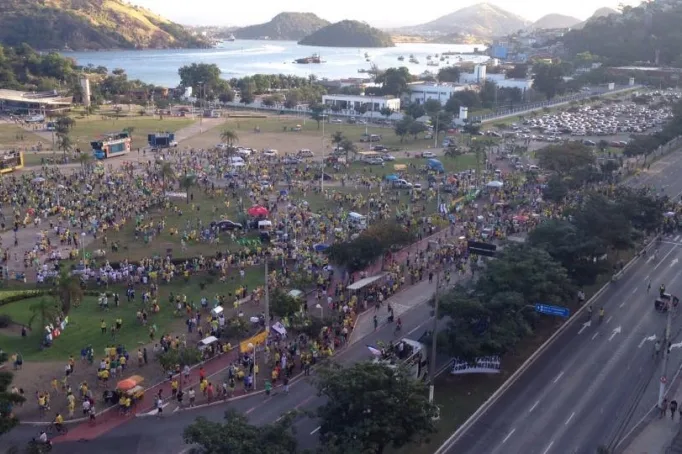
(12, 136)
(451, 164)
(84, 321)
(93, 127)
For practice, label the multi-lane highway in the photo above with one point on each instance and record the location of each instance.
(597, 380)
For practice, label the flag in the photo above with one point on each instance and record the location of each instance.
(374, 351)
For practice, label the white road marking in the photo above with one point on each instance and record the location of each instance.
(621, 304)
(533, 407)
(634, 290)
(569, 418)
(508, 435)
(548, 447)
(665, 257)
(609, 319)
(595, 335)
(558, 377)
(315, 431)
(677, 238)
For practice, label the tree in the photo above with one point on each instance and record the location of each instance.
(187, 182)
(386, 112)
(64, 142)
(432, 107)
(490, 316)
(602, 145)
(47, 310)
(442, 121)
(641, 145)
(394, 81)
(236, 436)
(64, 124)
(166, 172)
(8, 399)
(202, 77)
(282, 304)
(449, 74)
(348, 147)
(69, 290)
(337, 138)
(519, 71)
(416, 128)
(402, 127)
(373, 406)
(548, 79)
(565, 158)
(317, 113)
(246, 97)
(229, 137)
(555, 190)
(605, 221)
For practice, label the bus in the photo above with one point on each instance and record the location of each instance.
(11, 161)
(411, 354)
(112, 145)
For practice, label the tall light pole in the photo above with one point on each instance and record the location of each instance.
(322, 172)
(267, 296)
(664, 365)
(434, 340)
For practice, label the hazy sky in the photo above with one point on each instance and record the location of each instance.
(377, 13)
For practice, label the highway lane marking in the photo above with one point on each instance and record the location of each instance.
(609, 319)
(665, 257)
(634, 291)
(305, 401)
(569, 418)
(677, 238)
(595, 335)
(315, 430)
(558, 377)
(621, 304)
(548, 447)
(534, 405)
(508, 435)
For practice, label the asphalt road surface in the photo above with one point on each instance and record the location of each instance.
(597, 380)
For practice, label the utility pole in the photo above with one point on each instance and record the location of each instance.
(267, 296)
(664, 366)
(434, 340)
(322, 173)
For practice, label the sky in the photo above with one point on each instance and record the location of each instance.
(219, 12)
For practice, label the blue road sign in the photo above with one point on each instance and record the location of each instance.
(552, 310)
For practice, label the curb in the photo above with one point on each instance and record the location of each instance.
(531, 360)
(625, 441)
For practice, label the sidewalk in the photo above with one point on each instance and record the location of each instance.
(658, 435)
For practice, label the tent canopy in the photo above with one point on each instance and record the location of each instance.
(365, 282)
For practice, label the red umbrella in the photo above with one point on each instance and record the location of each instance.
(257, 211)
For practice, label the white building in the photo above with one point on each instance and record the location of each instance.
(480, 76)
(353, 102)
(476, 77)
(423, 91)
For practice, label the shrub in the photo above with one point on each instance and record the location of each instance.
(5, 320)
(183, 356)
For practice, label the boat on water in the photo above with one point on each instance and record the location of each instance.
(366, 54)
(432, 63)
(414, 60)
(313, 59)
(230, 38)
(401, 58)
(428, 57)
(363, 71)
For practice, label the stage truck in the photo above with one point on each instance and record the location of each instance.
(11, 161)
(112, 145)
(161, 140)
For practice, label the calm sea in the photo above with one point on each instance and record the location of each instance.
(246, 57)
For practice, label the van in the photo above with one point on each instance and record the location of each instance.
(357, 221)
(236, 161)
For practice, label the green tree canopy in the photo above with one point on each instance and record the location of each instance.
(237, 436)
(548, 79)
(394, 81)
(373, 406)
(8, 399)
(565, 158)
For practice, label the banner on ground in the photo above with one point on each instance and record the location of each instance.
(482, 365)
(258, 339)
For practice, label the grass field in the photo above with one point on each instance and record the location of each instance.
(11, 137)
(90, 128)
(84, 321)
(451, 165)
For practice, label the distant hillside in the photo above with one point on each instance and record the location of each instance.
(482, 20)
(348, 33)
(601, 12)
(89, 24)
(284, 27)
(553, 21)
(637, 35)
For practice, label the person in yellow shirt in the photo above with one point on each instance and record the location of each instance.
(59, 423)
(122, 361)
(71, 404)
(55, 384)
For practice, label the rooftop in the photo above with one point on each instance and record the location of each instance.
(46, 98)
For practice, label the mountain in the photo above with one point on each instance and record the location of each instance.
(348, 33)
(284, 27)
(89, 24)
(601, 12)
(646, 33)
(482, 19)
(554, 21)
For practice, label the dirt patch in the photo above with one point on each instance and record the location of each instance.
(14, 329)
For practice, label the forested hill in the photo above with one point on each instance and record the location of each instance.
(89, 24)
(348, 33)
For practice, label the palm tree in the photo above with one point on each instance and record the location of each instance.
(337, 138)
(64, 142)
(186, 183)
(229, 137)
(46, 310)
(69, 290)
(84, 159)
(166, 172)
(129, 129)
(348, 147)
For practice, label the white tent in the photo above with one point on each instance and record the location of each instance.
(495, 184)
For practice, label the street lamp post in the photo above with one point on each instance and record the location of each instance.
(253, 347)
(83, 247)
(666, 355)
(322, 172)
(434, 339)
(267, 296)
